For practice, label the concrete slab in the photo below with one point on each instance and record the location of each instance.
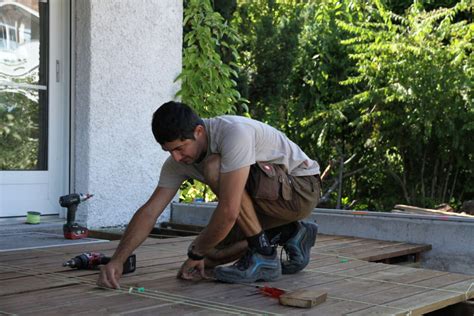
(15, 234)
(36, 240)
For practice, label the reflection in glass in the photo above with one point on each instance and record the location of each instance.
(23, 85)
(19, 129)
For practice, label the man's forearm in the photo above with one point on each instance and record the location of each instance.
(231, 188)
(137, 231)
(142, 222)
(219, 226)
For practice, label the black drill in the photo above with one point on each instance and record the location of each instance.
(71, 229)
(92, 260)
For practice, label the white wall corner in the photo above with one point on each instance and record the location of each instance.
(127, 55)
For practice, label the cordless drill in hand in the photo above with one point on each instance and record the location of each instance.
(71, 229)
(92, 260)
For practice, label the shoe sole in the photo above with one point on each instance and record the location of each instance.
(312, 231)
(313, 228)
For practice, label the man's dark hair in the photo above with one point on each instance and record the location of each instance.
(173, 121)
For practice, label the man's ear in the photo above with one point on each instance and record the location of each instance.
(198, 131)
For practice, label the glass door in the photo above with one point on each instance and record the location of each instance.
(34, 105)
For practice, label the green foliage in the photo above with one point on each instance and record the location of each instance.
(18, 130)
(207, 83)
(385, 85)
(322, 65)
(209, 71)
(417, 102)
(269, 32)
(193, 191)
(294, 64)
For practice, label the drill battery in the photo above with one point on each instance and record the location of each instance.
(92, 261)
(75, 231)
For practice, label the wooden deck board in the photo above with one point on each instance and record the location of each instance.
(34, 282)
(366, 249)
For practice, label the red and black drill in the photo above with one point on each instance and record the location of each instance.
(92, 260)
(71, 229)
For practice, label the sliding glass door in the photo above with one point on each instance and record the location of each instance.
(34, 105)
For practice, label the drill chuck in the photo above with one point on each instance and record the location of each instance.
(74, 199)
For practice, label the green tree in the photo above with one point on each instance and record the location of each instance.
(269, 32)
(209, 72)
(19, 130)
(385, 87)
(207, 82)
(417, 103)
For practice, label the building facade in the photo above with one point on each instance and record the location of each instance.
(79, 83)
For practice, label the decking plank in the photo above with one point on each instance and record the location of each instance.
(392, 252)
(353, 285)
(31, 283)
(417, 296)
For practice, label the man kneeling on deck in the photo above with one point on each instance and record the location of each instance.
(265, 185)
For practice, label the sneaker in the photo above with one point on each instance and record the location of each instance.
(298, 248)
(252, 267)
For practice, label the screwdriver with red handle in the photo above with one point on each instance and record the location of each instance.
(270, 291)
(265, 290)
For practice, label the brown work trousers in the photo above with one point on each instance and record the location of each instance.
(278, 197)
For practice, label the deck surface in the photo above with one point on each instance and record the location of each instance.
(34, 282)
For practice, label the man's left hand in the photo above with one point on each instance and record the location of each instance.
(192, 270)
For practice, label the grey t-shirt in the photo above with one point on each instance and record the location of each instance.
(241, 142)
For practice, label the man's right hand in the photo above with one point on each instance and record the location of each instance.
(110, 274)
(137, 231)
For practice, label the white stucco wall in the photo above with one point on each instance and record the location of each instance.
(126, 54)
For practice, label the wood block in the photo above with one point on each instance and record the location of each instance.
(303, 298)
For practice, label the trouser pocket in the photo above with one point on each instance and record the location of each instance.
(269, 181)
